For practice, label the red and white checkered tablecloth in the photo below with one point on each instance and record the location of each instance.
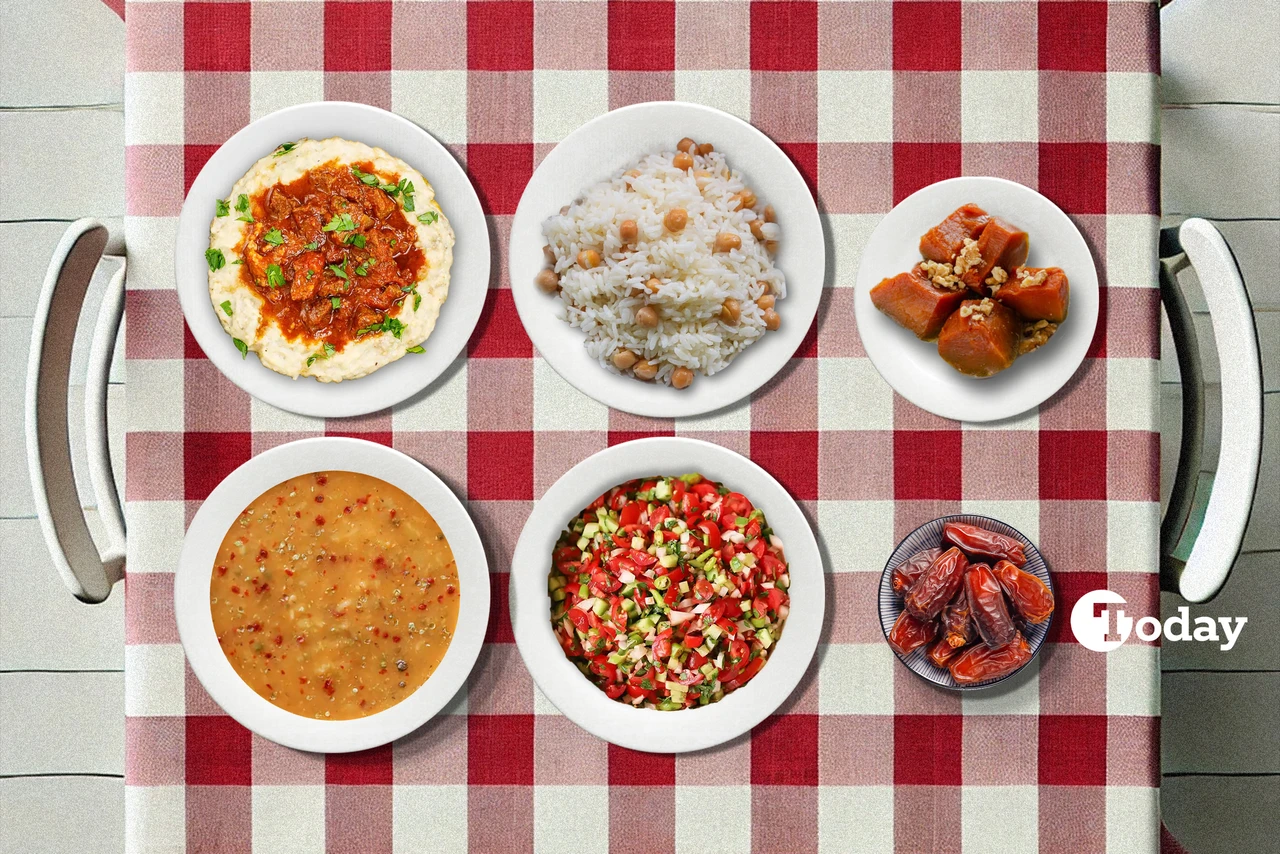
(872, 100)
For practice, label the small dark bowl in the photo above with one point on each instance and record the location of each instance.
(928, 536)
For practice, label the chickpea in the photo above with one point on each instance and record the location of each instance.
(772, 320)
(633, 173)
(653, 284)
(730, 311)
(727, 241)
(645, 370)
(681, 377)
(686, 145)
(769, 215)
(564, 210)
(744, 199)
(676, 219)
(623, 359)
(771, 246)
(549, 254)
(683, 160)
(768, 288)
(701, 177)
(588, 258)
(706, 148)
(547, 281)
(756, 231)
(628, 231)
(766, 302)
(647, 316)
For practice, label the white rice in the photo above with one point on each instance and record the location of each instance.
(696, 280)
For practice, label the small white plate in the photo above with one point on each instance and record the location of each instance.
(913, 367)
(195, 570)
(468, 277)
(649, 729)
(603, 147)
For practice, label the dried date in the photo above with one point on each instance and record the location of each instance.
(984, 543)
(937, 586)
(1030, 596)
(980, 663)
(986, 602)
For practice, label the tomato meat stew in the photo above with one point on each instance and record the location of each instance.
(669, 592)
(332, 254)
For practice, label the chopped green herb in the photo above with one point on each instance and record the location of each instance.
(406, 193)
(215, 258)
(364, 177)
(417, 300)
(341, 222)
(274, 237)
(311, 360)
(284, 147)
(226, 307)
(221, 208)
(393, 243)
(328, 350)
(336, 302)
(356, 240)
(391, 325)
(312, 246)
(416, 349)
(428, 218)
(242, 347)
(238, 261)
(339, 270)
(311, 274)
(242, 205)
(275, 276)
(363, 269)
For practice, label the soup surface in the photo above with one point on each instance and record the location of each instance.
(334, 595)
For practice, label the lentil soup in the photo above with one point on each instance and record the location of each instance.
(334, 595)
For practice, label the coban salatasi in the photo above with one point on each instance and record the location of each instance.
(334, 595)
(669, 592)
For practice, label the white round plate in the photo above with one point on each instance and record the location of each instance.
(195, 570)
(913, 367)
(572, 693)
(605, 146)
(468, 277)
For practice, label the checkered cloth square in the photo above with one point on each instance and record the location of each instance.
(872, 100)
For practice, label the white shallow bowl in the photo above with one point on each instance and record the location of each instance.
(195, 570)
(649, 729)
(913, 367)
(605, 146)
(468, 277)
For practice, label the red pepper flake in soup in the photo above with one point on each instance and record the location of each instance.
(306, 593)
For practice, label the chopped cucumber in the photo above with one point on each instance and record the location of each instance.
(766, 639)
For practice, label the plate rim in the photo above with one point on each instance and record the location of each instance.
(322, 400)
(579, 700)
(881, 356)
(676, 403)
(195, 622)
(886, 600)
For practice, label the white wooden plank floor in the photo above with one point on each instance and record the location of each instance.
(61, 707)
(1220, 134)
(61, 690)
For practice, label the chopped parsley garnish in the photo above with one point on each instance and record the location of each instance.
(363, 269)
(356, 240)
(341, 222)
(417, 300)
(312, 246)
(221, 208)
(242, 205)
(242, 347)
(328, 353)
(336, 302)
(339, 270)
(274, 237)
(215, 258)
(364, 177)
(226, 307)
(275, 276)
(283, 147)
(416, 349)
(406, 193)
(391, 325)
(428, 218)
